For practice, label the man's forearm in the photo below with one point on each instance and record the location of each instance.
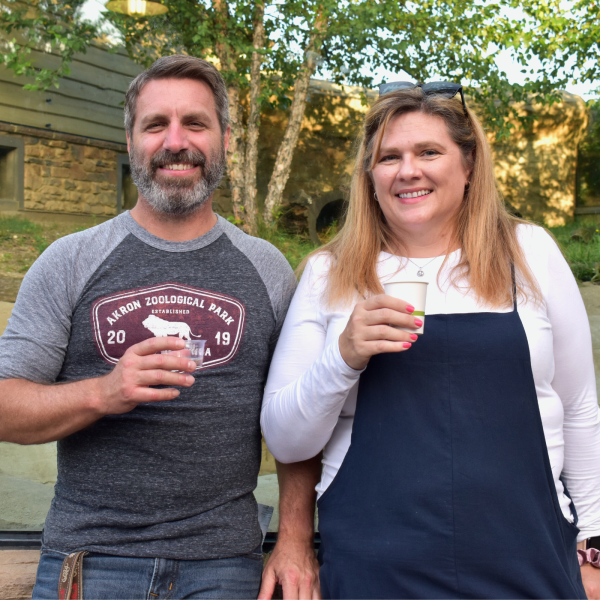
(34, 413)
(297, 495)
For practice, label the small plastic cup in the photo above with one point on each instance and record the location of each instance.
(193, 349)
(413, 292)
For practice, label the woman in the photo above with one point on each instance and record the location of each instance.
(464, 439)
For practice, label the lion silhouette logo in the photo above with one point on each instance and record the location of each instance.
(161, 328)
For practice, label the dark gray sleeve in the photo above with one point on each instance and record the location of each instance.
(273, 269)
(34, 343)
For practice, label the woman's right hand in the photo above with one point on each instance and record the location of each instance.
(369, 330)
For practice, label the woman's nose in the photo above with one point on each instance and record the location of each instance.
(408, 168)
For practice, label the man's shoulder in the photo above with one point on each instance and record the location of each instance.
(271, 265)
(86, 243)
(260, 252)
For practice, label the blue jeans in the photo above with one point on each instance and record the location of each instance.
(107, 577)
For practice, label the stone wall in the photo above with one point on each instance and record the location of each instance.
(536, 169)
(65, 173)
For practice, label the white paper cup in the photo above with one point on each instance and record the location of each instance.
(193, 349)
(412, 292)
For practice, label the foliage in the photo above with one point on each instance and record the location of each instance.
(268, 50)
(588, 161)
(580, 243)
(46, 25)
(566, 38)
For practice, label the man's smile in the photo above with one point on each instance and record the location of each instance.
(178, 167)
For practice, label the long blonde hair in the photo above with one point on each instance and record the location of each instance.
(483, 229)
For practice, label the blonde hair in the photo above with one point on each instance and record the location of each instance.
(483, 229)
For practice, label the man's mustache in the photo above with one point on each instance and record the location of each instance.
(165, 158)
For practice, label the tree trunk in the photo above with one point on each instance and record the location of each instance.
(253, 122)
(283, 162)
(235, 154)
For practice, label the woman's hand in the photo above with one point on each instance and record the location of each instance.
(369, 330)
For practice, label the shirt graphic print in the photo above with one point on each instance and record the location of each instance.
(126, 318)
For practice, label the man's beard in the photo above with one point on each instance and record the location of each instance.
(177, 196)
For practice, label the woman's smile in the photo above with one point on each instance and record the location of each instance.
(412, 197)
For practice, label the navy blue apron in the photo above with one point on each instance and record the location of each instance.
(446, 490)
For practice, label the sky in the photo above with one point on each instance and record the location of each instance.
(93, 8)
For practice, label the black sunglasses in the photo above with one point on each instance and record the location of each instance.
(447, 89)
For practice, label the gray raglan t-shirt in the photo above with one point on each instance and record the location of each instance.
(169, 479)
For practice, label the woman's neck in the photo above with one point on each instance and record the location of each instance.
(426, 246)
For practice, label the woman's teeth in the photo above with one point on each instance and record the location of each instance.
(414, 194)
(179, 167)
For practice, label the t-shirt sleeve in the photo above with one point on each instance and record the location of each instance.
(35, 341)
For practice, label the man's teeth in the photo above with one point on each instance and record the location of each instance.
(415, 194)
(179, 167)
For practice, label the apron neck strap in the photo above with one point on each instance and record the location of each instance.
(514, 286)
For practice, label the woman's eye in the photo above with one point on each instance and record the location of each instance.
(388, 158)
(430, 153)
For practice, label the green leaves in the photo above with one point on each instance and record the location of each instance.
(45, 25)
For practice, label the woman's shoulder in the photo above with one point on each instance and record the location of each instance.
(318, 265)
(535, 240)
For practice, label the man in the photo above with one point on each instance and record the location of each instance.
(157, 460)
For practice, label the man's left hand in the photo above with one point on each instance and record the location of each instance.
(591, 581)
(292, 565)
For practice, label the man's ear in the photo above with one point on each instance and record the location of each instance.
(128, 142)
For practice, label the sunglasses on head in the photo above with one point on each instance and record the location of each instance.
(447, 89)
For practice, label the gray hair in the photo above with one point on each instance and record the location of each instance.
(179, 66)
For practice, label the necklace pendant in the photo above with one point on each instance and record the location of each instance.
(420, 273)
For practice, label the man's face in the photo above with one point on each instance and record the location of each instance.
(177, 151)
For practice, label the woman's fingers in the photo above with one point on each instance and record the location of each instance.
(391, 317)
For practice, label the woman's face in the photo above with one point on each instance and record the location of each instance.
(419, 176)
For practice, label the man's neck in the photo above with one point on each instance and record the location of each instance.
(174, 229)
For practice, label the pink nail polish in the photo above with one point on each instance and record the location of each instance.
(418, 322)
(414, 336)
(410, 309)
(406, 345)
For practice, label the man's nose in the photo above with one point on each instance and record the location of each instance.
(175, 138)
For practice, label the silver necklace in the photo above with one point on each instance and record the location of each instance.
(420, 272)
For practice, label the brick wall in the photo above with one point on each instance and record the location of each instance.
(65, 173)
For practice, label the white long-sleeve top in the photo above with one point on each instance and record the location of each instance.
(310, 397)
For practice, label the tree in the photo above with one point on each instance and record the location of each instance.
(565, 38)
(268, 50)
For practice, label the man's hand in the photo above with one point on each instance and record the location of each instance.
(35, 413)
(292, 565)
(128, 384)
(591, 581)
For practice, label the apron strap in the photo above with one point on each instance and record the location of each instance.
(514, 286)
(70, 582)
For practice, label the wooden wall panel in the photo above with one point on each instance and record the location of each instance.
(88, 102)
